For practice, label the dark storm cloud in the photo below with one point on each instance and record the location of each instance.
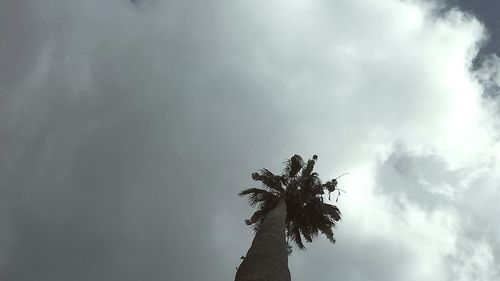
(115, 151)
(94, 182)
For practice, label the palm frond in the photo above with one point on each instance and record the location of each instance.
(251, 191)
(308, 168)
(328, 232)
(331, 210)
(293, 232)
(269, 180)
(257, 195)
(294, 165)
(307, 233)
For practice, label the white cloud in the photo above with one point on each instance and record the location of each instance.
(377, 76)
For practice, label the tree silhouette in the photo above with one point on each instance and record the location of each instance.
(289, 206)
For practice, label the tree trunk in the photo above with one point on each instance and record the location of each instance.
(267, 258)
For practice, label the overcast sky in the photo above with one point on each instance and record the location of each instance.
(127, 128)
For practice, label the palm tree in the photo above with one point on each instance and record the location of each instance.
(289, 206)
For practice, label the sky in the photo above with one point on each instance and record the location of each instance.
(127, 128)
(486, 12)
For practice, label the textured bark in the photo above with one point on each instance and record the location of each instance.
(267, 258)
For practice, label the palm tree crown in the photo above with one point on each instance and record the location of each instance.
(302, 190)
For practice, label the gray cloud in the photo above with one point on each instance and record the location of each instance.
(126, 134)
(117, 147)
(20, 42)
(426, 180)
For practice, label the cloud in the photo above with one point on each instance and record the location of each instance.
(128, 131)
